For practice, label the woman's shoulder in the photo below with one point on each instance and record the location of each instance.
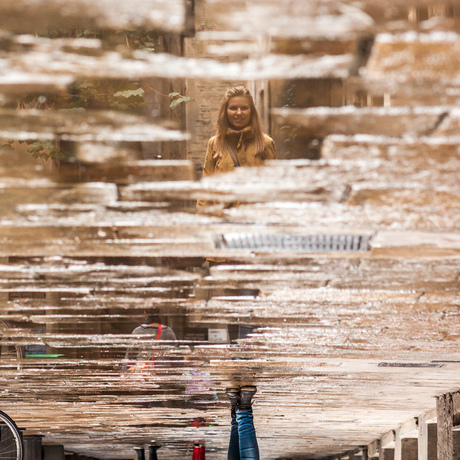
(268, 140)
(212, 141)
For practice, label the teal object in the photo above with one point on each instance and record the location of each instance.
(44, 355)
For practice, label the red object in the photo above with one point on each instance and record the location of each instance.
(198, 452)
(160, 327)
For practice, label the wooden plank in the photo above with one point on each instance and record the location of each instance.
(373, 449)
(448, 408)
(406, 440)
(428, 436)
(409, 429)
(387, 441)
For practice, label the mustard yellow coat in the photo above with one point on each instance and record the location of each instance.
(245, 152)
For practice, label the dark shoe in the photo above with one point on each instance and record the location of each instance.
(233, 394)
(246, 394)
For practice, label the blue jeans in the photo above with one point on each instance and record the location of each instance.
(243, 441)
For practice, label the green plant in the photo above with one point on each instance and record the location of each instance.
(122, 95)
(46, 150)
(177, 98)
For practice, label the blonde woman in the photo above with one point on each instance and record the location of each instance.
(239, 138)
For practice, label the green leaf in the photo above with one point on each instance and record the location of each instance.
(73, 109)
(179, 100)
(173, 95)
(130, 92)
(7, 144)
(45, 149)
(38, 146)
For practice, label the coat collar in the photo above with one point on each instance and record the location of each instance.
(240, 135)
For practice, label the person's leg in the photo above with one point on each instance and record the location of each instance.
(233, 395)
(234, 444)
(249, 449)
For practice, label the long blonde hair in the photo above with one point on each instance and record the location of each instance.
(257, 135)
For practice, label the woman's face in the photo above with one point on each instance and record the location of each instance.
(238, 112)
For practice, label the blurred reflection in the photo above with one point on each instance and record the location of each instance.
(199, 451)
(152, 453)
(142, 360)
(199, 393)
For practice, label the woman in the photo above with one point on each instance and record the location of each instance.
(239, 139)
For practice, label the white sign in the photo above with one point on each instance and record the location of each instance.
(218, 335)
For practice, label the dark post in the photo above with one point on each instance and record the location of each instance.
(140, 453)
(153, 452)
(33, 449)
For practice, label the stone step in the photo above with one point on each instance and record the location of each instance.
(287, 19)
(81, 125)
(14, 193)
(339, 215)
(305, 20)
(356, 193)
(191, 241)
(127, 172)
(86, 241)
(412, 56)
(44, 57)
(404, 91)
(72, 271)
(26, 17)
(71, 301)
(299, 181)
(415, 198)
(435, 279)
(320, 122)
(348, 218)
(403, 67)
(16, 84)
(433, 153)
